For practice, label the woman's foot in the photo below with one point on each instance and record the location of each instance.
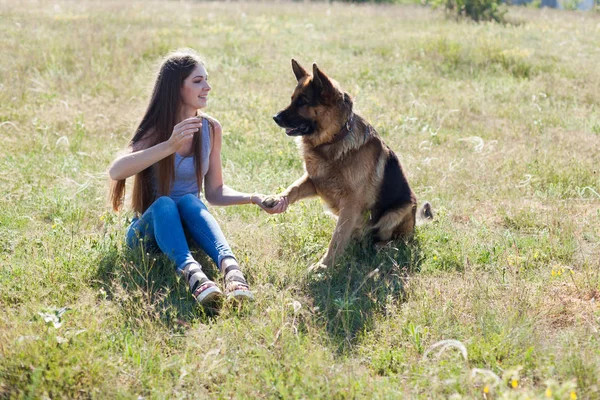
(205, 291)
(236, 286)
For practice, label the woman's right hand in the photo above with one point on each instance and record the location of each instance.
(139, 159)
(183, 133)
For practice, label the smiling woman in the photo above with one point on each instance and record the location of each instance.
(194, 93)
(174, 150)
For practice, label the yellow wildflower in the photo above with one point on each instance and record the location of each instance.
(514, 383)
(573, 396)
(553, 272)
(486, 389)
(548, 392)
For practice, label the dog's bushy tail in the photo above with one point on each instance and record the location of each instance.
(424, 214)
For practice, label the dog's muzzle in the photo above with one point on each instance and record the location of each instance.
(278, 120)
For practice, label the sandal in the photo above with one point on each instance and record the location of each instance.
(236, 286)
(204, 291)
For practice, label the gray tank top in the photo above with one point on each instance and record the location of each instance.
(185, 173)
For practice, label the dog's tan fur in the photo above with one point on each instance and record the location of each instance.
(352, 170)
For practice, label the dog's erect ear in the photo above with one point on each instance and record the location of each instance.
(321, 81)
(298, 70)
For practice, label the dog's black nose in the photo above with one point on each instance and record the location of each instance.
(277, 119)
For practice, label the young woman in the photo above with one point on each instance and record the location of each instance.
(173, 151)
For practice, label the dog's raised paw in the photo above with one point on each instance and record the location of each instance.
(271, 201)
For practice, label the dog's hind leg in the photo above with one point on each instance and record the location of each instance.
(395, 223)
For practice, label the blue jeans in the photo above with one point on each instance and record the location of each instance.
(162, 225)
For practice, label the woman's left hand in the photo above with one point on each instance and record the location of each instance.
(279, 207)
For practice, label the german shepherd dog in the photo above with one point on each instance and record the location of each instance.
(347, 164)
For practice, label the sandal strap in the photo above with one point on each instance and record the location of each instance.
(202, 288)
(194, 276)
(236, 285)
(231, 276)
(237, 279)
(232, 267)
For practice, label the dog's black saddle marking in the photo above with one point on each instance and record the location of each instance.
(394, 192)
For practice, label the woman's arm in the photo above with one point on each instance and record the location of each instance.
(134, 162)
(219, 194)
(141, 157)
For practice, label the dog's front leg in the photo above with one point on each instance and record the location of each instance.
(300, 189)
(348, 222)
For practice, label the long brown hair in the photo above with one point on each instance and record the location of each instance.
(156, 127)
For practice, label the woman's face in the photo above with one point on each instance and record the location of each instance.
(194, 92)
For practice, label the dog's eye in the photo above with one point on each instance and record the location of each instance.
(301, 102)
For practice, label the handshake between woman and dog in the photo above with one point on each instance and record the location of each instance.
(348, 165)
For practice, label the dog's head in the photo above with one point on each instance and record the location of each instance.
(318, 106)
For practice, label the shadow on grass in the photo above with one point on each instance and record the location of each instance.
(147, 288)
(361, 284)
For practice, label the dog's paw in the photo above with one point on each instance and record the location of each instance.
(382, 245)
(316, 267)
(271, 201)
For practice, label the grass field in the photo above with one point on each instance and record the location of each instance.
(497, 125)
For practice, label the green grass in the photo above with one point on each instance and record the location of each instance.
(497, 125)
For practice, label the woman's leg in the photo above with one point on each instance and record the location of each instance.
(205, 231)
(161, 225)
